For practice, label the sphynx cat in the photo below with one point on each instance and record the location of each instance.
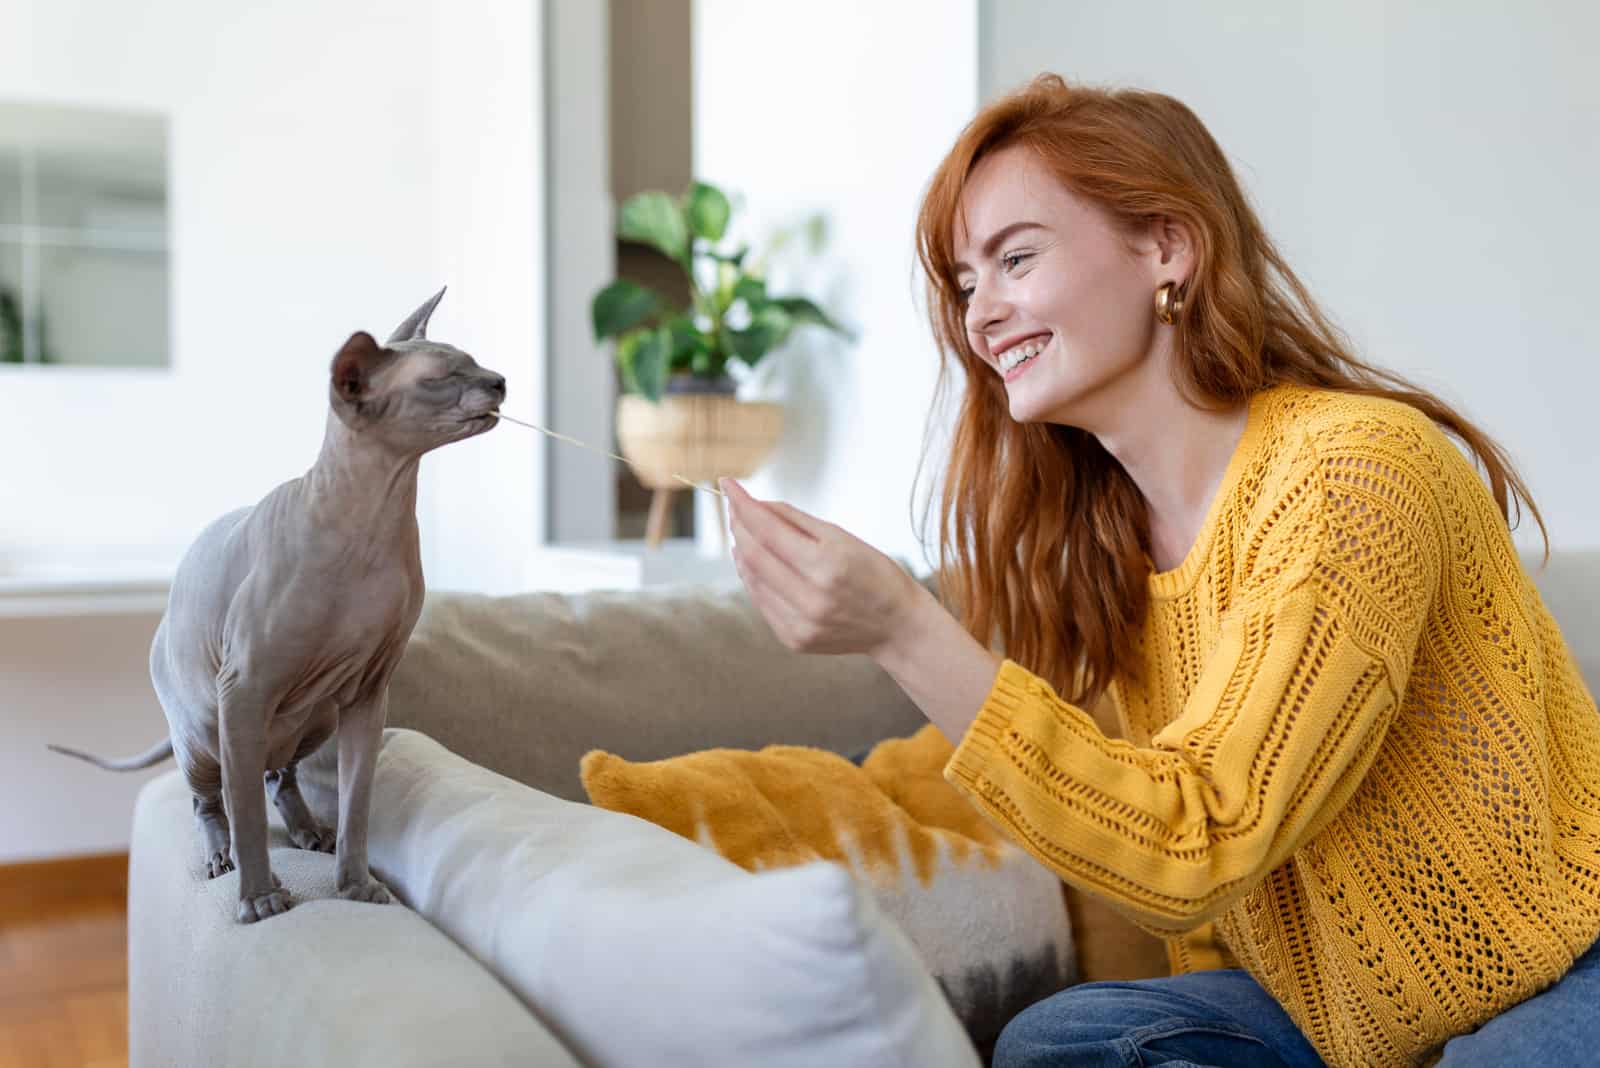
(286, 620)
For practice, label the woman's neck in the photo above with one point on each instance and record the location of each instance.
(1176, 453)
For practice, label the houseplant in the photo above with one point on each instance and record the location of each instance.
(678, 416)
(12, 341)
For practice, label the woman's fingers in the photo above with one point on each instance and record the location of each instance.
(803, 521)
(785, 622)
(765, 565)
(785, 541)
(779, 524)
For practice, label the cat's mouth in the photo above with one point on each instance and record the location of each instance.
(471, 425)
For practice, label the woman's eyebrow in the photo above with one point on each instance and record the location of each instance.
(1000, 235)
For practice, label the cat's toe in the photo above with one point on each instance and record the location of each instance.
(317, 840)
(263, 906)
(371, 891)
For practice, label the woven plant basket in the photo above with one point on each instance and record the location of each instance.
(700, 436)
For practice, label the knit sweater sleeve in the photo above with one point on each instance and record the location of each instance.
(1332, 590)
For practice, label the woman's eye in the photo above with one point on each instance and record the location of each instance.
(1012, 260)
(965, 293)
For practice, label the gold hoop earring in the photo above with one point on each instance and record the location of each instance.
(1169, 303)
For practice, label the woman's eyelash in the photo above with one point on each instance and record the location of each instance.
(1009, 261)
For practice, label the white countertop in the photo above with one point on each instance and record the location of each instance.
(80, 582)
(77, 584)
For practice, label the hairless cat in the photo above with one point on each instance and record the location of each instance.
(286, 620)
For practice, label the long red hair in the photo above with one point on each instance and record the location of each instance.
(1042, 535)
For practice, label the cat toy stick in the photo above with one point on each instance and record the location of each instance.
(574, 441)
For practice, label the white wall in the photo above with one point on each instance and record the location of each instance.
(1431, 176)
(486, 114)
(843, 107)
(331, 166)
(81, 682)
(581, 243)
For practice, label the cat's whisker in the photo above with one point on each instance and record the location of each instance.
(582, 445)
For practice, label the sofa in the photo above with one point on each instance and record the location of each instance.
(531, 928)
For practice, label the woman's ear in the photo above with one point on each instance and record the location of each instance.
(1172, 246)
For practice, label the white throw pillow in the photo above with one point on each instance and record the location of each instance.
(639, 947)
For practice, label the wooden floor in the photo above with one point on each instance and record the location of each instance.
(64, 964)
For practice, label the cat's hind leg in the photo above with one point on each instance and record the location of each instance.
(283, 786)
(211, 815)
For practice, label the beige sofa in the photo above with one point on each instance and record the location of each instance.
(521, 687)
(517, 690)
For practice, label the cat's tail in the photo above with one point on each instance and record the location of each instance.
(154, 755)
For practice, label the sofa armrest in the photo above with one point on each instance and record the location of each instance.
(525, 685)
(330, 982)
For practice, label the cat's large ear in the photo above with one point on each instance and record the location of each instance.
(416, 324)
(354, 365)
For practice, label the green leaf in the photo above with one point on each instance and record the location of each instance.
(691, 348)
(722, 299)
(768, 327)
(735, 258)
(706, 364)
(627, 349)
(708, 211)
(804, 311)
(652, 361)
(816, 229)
(654, 218)
(752, 290)
(620, 307)
(685, 335)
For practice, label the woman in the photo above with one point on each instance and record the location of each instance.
(1357, 749)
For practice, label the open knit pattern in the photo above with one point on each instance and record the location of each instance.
(1356, 743)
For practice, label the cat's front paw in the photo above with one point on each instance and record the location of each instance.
(262, 906)
(371, 891)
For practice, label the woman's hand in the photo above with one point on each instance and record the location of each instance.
(825, 591)
(820, 589)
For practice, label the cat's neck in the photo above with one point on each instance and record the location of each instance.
(361, 482)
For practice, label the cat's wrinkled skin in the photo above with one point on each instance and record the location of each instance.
(286, 620)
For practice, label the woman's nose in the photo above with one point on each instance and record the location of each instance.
(983, 311)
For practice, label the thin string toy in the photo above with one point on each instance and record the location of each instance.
(574, 441)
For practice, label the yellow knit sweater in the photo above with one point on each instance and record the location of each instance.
(1355, 742)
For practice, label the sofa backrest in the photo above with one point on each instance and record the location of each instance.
(1570, 588)
(525, 685)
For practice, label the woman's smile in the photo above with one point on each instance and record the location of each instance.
(1015, 361)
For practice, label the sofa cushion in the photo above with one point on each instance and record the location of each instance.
(987, 919)
(329, 983)
(638, 947)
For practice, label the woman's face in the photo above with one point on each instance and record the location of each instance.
(1052, 281)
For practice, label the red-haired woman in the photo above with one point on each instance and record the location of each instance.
(1357, 750)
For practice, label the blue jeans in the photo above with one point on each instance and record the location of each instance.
(1224, 1019)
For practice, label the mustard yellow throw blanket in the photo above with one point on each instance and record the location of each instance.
(988, 920)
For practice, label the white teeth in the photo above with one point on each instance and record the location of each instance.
(1017, 354)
